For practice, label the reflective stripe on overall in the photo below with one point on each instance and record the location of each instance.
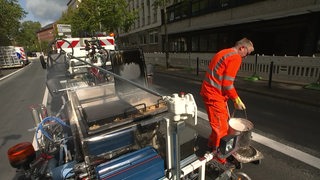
(215, 84)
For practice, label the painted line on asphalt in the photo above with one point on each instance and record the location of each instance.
(22, 68)
(290, 151)
(45, 97)
(4, 77)
(287, 150)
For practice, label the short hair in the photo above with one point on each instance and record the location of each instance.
(244, 42)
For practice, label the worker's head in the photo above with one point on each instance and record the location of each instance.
(244, 47)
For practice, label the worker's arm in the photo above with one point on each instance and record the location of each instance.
(232, 67)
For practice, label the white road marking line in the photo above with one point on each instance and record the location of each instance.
(11, 74)
(22, 68)
(45, 97)
(287, 150)
(290, 151)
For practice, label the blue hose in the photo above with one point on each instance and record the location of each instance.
(47, 119)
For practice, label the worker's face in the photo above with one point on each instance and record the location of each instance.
(245, 51)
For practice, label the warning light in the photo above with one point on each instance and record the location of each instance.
(21, 154)
(111, 34)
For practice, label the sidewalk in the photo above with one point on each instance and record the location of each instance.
(288, 91)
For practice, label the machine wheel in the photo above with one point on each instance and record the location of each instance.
(242, 176)
(52, 53)
(43, 62)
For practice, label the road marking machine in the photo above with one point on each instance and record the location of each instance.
(104, 122)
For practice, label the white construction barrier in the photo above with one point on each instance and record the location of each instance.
(295, 69)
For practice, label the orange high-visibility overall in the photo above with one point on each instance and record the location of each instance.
(217, 87)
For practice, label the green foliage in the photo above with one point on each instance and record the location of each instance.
(11, 14)
(43, 46)
(97, 16)
(66, 16)
(27, 36)
(114, 15)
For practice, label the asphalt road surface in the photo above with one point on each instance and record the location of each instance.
(287, 123)
(291, 124)
(17, 93)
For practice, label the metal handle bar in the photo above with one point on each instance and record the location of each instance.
(115, 75)
(245, 113)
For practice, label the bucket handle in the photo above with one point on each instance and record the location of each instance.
(245, 113)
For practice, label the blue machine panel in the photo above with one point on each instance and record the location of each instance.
(63, 171)
(142, 164)
(111, 142)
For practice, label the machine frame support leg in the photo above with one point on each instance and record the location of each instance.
(173, 147)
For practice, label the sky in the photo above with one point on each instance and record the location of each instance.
(43, 11)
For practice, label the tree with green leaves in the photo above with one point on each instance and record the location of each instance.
(99, 16)
(11, 14)
(27, 36)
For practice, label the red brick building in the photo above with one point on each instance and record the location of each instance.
(46, 33)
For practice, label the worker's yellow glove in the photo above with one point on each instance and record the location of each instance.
(238, 104)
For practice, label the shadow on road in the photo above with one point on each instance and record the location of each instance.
(5, 139)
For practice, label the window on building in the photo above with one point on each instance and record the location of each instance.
(138, 22)
(149, 12)
(199, 6)
(223, 40)
(195, 43)
(143, 14)
(143, 39)
(155, 15)
(212, 42)
(178, 44)
(203, 43)
(125, 42)
(153, 37)
(177, 11)
(148, 20)
(143, 21)
(170, 14)
(224, 3)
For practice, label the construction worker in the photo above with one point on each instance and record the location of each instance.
(217, 87)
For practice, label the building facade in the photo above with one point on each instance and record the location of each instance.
(277, 27)
(145, 32)
(46, 33)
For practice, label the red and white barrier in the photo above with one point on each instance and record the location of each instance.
(78, 44)
(21, 53)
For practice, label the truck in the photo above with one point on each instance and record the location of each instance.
(12, 56)
(116, 127)
(21, 54)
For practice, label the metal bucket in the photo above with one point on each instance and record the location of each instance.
(242, 128)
